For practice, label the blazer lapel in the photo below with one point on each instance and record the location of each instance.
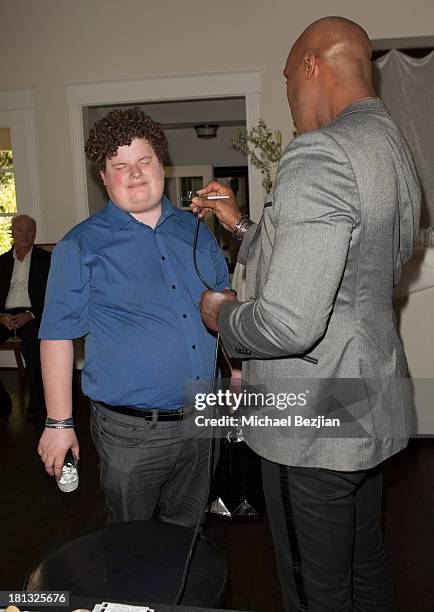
(6, 272)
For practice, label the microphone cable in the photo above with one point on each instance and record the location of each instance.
(210, 460)
(194, 538)
(196, 233)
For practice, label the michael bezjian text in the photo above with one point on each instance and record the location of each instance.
(267, 421)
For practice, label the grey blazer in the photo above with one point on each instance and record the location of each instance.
(321, 266)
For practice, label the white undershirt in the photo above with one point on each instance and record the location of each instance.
(18, 296)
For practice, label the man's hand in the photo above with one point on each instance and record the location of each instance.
(7, 320)
(53, 446)
(19, 320)
(15, 321)
(226, 211)
(211, 304)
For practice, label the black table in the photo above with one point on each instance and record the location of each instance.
(140, 561)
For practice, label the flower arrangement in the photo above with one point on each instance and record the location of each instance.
(264, 148)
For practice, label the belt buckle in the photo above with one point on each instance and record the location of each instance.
(186, 411)
(176, 415)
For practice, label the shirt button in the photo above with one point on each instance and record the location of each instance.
(163, 258)
(193, 346)
(173, 286)
(185, 316)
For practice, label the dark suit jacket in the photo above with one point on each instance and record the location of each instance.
(38, 275)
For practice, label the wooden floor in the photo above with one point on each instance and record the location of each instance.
(36, 518)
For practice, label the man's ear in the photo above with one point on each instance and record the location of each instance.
(309, 63)
(102, 175)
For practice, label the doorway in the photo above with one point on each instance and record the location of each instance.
(195, 92)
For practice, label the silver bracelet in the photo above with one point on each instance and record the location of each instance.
(59, 423)
(241, 227)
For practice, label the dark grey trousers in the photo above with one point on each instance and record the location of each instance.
(149, 468)
(30, 349)
(327, 539)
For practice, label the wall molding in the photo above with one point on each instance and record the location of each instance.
(17, 99)
(414, 42)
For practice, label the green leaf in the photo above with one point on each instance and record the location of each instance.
(263, 147)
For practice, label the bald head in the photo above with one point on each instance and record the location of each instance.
(330, 66)
(335, 37)
(23, 220)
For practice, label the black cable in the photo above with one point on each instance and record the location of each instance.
(194, 538)
(196, 234)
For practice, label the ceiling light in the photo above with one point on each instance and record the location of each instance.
(206, 130)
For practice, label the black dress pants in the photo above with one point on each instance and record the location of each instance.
(30, 349)
(327, 539)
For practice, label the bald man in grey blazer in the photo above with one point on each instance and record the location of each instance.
(321, 267)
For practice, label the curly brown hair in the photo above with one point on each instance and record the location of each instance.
(119, 128)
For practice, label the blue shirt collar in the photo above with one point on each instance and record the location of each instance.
(119, 218)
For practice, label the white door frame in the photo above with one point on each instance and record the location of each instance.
(159, 89)
(17, 113)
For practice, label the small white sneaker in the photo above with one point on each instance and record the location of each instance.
(68, 481)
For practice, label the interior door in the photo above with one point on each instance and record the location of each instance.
(180, 179)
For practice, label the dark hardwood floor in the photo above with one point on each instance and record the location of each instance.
(36, 518)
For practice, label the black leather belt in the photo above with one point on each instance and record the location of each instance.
(162, 415)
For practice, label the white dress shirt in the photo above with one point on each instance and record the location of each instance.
(18, 296)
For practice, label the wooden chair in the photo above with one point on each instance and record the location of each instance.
(14, 344)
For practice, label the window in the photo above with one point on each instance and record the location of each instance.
(8, 202)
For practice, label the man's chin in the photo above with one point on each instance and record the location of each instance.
(143, 205)
(140, 206)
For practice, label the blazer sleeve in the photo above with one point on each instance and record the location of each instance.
(315, 208)
(38, 276)
(245, 244)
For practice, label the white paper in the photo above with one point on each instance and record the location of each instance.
(107, 606)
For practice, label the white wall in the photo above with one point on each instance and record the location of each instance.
(185, 148)
(48, 44)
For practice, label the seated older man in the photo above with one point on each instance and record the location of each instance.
(23, 279)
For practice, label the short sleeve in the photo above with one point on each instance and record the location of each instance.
(65, 313)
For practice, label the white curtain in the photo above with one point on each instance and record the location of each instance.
(406, 85)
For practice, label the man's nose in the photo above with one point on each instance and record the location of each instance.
(135, 171)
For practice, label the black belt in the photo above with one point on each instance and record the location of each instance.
(18, 310)
(162, 415)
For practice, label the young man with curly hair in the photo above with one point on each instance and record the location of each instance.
(124, 278)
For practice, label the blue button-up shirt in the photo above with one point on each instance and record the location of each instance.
(132, 291)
